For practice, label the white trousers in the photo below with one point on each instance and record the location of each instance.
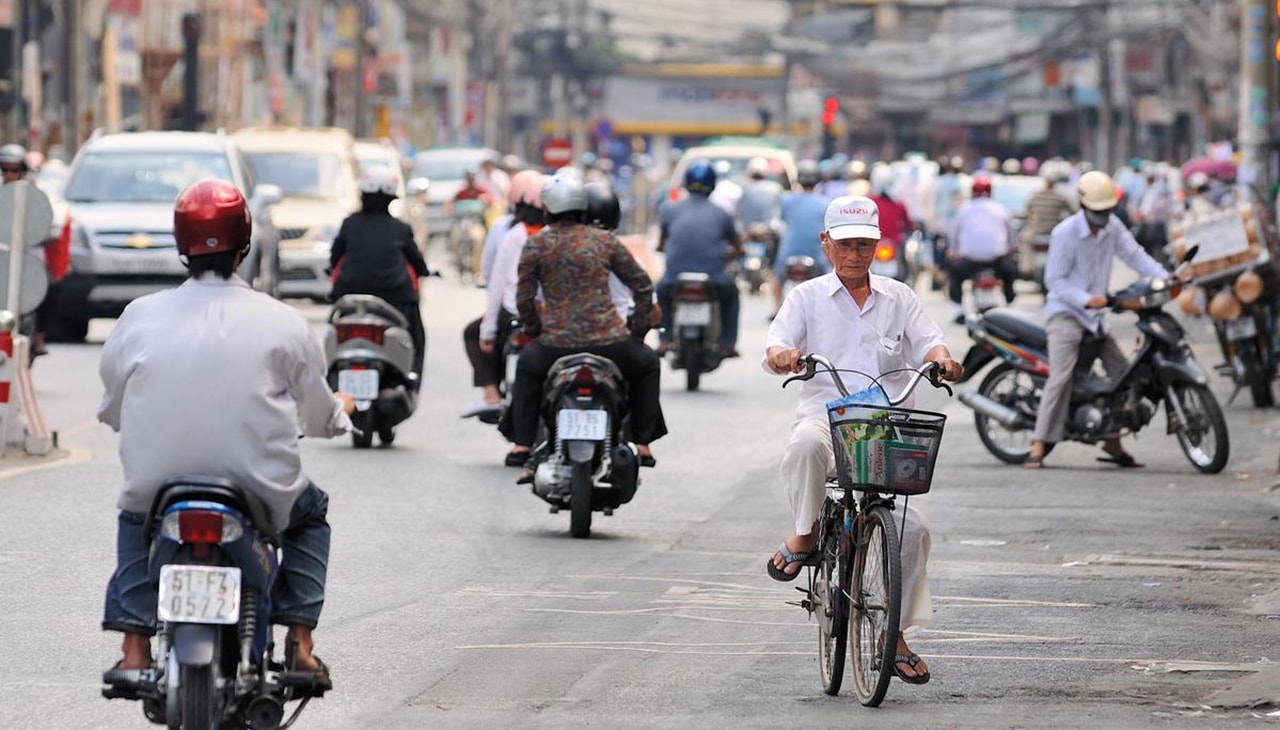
(806, 464)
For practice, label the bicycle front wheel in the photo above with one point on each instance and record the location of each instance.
(875, 604)
(829, 597)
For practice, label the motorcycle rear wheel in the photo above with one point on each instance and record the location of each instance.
(1014, 389)
(1203, 437)
(198, 704)
(363, 421)
(691, 353)
(580, 501)
(1255, 374)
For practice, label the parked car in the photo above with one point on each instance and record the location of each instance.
(442, 171)
(371, 153)
(317, 173)
(119, 196)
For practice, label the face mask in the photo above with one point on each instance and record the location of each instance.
(1097, 218)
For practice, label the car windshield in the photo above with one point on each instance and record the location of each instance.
(142, 177)
(735, 169)
(369, 160)
(300, 174)
(444, 168)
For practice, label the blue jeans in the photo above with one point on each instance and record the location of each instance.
(296, 597)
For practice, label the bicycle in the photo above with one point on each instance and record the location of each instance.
(881, 452)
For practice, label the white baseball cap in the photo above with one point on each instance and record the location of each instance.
(852, 216)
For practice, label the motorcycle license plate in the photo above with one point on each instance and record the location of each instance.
(1242, 328)
(754, 248)
(359, 384)
(984, 298)
(693, 314)
(576, 425)
(200, 594)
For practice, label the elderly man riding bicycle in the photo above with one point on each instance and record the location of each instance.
(869, 324)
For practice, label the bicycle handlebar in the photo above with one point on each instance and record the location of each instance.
(929, 371)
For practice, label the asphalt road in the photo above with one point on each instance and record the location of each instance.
(1079, 595)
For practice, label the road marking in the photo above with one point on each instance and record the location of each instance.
(74, 456)
(491, 593)
(1247, 566)
(1013, 603)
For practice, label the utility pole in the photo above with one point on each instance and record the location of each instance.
(1255, 101)
(458, 72)
(1105, 105)
(17, 117)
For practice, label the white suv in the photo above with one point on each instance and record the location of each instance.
(119, 196)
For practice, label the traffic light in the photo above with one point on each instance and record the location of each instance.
(832, 105)
(829, 109)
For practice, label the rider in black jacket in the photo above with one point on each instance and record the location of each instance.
(375, 253)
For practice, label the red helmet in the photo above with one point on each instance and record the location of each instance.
(210, 217)
(981, 186)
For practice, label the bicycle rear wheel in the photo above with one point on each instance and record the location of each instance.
(829, 597)
(875, 604)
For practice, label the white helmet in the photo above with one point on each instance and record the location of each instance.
(1097, 191)
(1197, 180)
(379, 179)
(758, 167)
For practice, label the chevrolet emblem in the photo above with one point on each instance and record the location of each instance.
(139, 240)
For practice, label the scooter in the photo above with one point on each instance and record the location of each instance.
(583, 461)
(696, 320)
(1162, 370)
(984, 291)
(214, 557)
(370, 355)
(753, 267)
(796, 270)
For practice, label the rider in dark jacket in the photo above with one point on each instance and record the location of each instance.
(375, 253)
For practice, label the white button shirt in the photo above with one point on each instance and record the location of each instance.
(1079, 267)
(891, 331)
(215, 379)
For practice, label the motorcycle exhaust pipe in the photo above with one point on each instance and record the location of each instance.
(1003, 415)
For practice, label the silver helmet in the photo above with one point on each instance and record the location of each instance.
(563, 194)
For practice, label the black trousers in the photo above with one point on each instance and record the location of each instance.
(961, 269)
(487, 369)
(638, 363)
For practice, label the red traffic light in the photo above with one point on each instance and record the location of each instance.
(829, 109)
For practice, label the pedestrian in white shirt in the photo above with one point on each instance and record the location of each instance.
(216, 379)
(981, 237)
(864, 322)
(1081, 251)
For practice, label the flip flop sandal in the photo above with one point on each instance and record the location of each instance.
(125, 678)
(803, 558)
(1124, 460)
(911, 660)
(1033, 462)
(315, 683)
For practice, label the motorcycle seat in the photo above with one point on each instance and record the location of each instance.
(360, 305)
(212, 489)
(595, 362)
(1008, 324)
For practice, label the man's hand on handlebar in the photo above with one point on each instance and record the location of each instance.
(948, 368)
(783, 360)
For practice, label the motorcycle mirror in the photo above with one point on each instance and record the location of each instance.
(1191, 253)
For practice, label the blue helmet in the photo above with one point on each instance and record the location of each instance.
(700, 177)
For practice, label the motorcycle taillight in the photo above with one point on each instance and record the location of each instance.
(886, 252)
(200, 526)
(692, 293)
(584, 376)
(370, 332)
(520, 339)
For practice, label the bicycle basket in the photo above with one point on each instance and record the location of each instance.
(884, 449)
